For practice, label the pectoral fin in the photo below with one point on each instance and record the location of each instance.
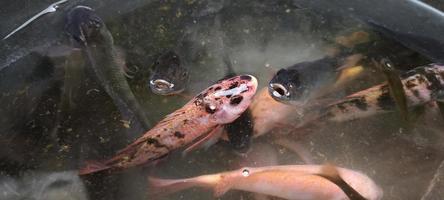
(212, 137)
(395, 84)
(222, 187)
(347, 74)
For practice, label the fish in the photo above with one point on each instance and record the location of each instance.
(300, 83)
(395, 86)
(88, 32)
(268, 114)
(197, 122)
(283, 181)
(169, 75)
(353, 39)
(421, 85)
(423, 32)
(239, 133)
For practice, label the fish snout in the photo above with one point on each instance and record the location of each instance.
(161, 86)
(278, 91)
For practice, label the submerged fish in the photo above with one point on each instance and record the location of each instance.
(88, 31)
(421, 85)
(302, 82)
(170, 76)
(423, 32)
(269, 114)
(395, 85)
(206, 113)
(286, 181)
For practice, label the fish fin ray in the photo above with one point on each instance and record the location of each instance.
(211, 138)
(158, 187)
(331, 173)
(350, 62)
(93, 167)
(221, 188)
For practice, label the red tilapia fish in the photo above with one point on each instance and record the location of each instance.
(421, 85)
(197, 122)
(285, 181)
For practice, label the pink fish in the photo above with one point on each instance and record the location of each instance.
(197, 122)
(285, 181)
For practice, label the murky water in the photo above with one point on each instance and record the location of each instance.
(44, 141)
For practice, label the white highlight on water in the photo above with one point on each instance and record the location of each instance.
(52, 8)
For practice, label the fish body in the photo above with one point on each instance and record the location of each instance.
(303, 82)
(421, 85)
(169, 76)
(268, 114)
(88, 31)
(217, 105)
(286, 181)
(295, 83)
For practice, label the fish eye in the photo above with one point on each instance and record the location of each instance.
(210, 108)
(279, 90)
(161, 85)
(388, 65)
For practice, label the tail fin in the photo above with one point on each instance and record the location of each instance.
(331, 173)
(93, 167)
(161, 187)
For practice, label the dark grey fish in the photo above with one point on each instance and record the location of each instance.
(45, 32)
(295, 84)
(169, 76)
(89, 32)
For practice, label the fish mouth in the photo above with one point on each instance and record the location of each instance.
(163, 87)
(278, 91)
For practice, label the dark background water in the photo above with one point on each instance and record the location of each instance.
(41, 139)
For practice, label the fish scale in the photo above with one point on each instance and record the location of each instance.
(419, 84)
(198, 120)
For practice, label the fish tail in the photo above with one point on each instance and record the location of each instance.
(160, 187)
(331, 173)
(93, 167)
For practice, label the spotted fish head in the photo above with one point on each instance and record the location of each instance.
(84, 25)
(169, 75)
(226, 100)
